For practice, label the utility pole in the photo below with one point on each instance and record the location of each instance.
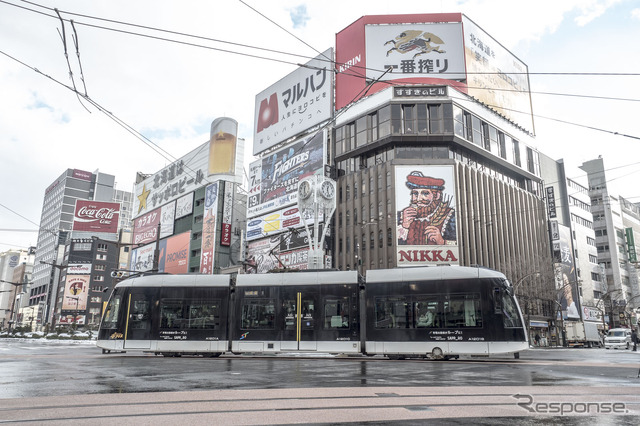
(156, 252)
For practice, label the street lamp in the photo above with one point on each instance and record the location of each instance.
(515, 286)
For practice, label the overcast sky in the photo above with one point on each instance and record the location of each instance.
(170, 92)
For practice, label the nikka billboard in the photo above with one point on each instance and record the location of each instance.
(426, 229)
(96, 216)
(294, 104)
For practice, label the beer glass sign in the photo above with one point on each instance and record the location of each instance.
(222, 146)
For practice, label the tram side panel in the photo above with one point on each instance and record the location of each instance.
(438, 318)
(191, 320)
(295, 317)
(167, 314)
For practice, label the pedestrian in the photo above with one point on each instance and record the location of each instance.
(537, 339)
(634, 339)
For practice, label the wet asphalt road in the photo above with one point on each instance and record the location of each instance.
(39, 368)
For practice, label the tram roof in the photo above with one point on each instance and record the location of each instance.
(183, 280)
(298, 278)
(427, 273)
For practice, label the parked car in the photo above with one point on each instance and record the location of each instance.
(618, 338)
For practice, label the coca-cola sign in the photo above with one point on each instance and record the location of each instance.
(96, 216)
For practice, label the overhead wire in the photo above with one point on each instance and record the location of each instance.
(364, 89)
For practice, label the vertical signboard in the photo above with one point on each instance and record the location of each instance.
(76, 289)
(567, 285)
(631, 245)
(209, 229)
(426, 216)
(551, 202)
(184, 206)
(167, 218)
(227, 214)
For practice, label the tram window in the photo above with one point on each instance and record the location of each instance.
(427, 314)
(139, 314)
(110, 319)
(336, 313)
(258, 314)
(463, 310)
(180, 314)
(392, 312)
(510, 314)
(204, 315)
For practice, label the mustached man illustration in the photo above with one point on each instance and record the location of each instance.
(429, 219)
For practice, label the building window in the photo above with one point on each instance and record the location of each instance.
(516, 153)
(101, 256)
(101, 247)
(98, 278)
(436, 119)
(502, 146)
(408, 119)
(99, 267)
(476, 131)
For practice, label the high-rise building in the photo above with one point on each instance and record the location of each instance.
(56, 225)
(15, 276)
(616, 223)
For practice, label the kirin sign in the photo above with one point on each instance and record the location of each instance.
(96, 216)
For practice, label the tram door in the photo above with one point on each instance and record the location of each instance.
(138, 327)
(300, 311)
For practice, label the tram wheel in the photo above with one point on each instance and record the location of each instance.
(516, 355)
(437, 354)
(396, 357)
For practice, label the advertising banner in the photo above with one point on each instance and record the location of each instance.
(426, 215)
(227, 214)
(209, 229)
(72, 319)
(96, 216)
(273, 180)
(184, 206)
(145, 227)
(415, 50)
(79, 269)
(294, 104)
(265, 253)
(567, 282)
(262, 253)
(276, 222)
(167, 218)
(81, 174)
(76, 290)
(174, 254)
(174, 181)
(495, 76)
(591, 314)
(142, 258)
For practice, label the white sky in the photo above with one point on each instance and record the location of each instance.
(171, 92)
